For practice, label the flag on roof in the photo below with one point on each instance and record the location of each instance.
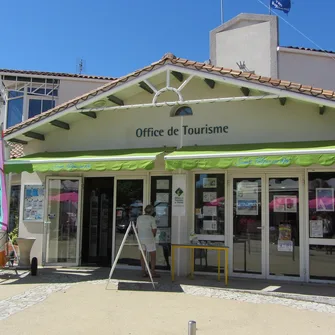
(283, 5)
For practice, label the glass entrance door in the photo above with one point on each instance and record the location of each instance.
(284, 227)
(129, 205)
(97, 231)
(62, 227)
(248, 226)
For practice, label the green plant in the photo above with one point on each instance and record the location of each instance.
(13, 235)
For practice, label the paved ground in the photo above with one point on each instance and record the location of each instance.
(75, 301)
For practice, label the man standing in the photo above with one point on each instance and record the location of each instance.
(147, 229)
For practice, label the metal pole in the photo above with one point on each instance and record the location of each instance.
(221, 11)
(192, 328)
(270, 12)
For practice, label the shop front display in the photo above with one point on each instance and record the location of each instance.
(321, 225)
(247, 225)
(209, 217)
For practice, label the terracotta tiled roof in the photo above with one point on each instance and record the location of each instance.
(53, 74)
(16, 150)
(310, 49)
(182, 63)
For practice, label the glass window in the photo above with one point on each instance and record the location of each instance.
(209, 218)
(321, 262)
(161, 197)
(62, 234)
(34, 108)
(284, 243)
(14, 94)
(321, 205)
(184, 111)
(37, 106)
(14, 112)
(14, 211)
(321, 225)
(52, 81)
(47, 104)
(209, 211)
(247, 225)
(44, 91)
(129, 205)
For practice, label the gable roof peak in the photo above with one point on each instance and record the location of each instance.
(169, 55)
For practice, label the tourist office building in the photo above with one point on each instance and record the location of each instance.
(224, 156)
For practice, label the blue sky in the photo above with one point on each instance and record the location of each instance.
(117, 37)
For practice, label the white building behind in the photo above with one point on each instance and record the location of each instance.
(250, 42)
(25, 94)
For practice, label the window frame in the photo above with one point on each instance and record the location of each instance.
(175, 109)
(50, 86)
(38, 97)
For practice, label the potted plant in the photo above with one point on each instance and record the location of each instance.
(12, 249)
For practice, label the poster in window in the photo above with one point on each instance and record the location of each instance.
(291, 204)
(316, 229)
(278, 204)
(209, 183)
(247, 198)
(324, 200)
(285, 246)
(162, 184)
(33, 203)
(210, 225)
(210, 211)
(284, 204)
(162, 197)
(285, 232)
(209, 196)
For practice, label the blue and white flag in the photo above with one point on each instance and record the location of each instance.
(283, 5)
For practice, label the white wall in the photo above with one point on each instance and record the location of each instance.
(233, 46)
(309, 68)
(247, 122)
(70, 89)
(248, 38)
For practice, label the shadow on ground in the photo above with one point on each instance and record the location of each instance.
(132, 280)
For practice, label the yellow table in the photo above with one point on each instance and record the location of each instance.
(199, 246)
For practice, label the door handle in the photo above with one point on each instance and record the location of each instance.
(261, 227)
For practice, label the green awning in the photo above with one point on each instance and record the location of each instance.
(252, 155)
(72, 161)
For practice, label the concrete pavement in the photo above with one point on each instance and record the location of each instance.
(70, 301)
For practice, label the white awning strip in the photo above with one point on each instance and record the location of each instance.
(252, 154)
(78, 160)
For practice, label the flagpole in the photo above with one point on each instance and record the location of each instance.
(270, 11)
(221, 11)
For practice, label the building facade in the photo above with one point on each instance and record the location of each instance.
(226, 156)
